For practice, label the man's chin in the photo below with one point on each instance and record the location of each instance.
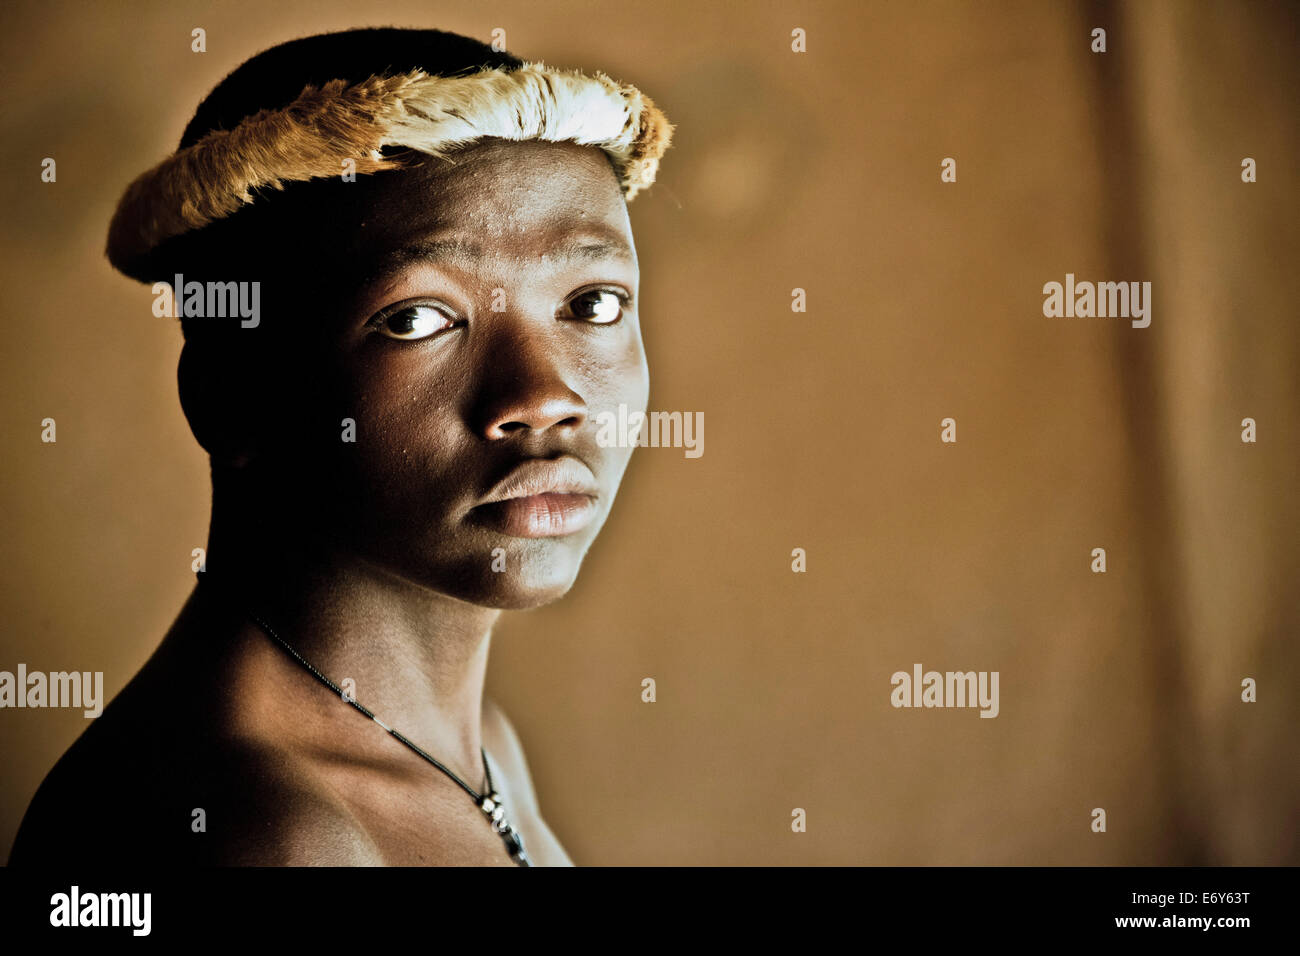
(508, 584)
(529, 599)
(500, 572)
(535, 580)
(506, 592)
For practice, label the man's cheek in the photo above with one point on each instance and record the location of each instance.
(635, 376)
(625, 382)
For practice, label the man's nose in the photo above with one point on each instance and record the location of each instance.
(526, 388)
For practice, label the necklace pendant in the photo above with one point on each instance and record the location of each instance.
(495, 811)
(515, 846)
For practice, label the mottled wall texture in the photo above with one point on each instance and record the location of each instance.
(822, 171)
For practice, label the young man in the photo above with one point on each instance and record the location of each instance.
(401, 421)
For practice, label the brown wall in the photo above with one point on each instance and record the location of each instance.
(818, 171)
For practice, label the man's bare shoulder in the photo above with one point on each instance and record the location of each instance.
(276, 811)
(503, 745)
(224, 801)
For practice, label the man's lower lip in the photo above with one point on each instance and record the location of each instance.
(539, 516)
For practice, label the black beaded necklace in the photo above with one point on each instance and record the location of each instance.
(489, 802)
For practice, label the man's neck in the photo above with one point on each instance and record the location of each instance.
(416, 658)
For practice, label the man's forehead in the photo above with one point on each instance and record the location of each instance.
(580, 245)
(523, 199)
(496, 175)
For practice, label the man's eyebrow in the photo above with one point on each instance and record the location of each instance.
(580, 248)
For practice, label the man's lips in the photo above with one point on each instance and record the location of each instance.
(542, 498)
(549, 515)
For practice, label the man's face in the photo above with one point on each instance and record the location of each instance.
(484, 313)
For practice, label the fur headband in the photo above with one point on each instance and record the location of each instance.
(310, 138)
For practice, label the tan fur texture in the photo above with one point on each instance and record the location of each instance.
(310, 138)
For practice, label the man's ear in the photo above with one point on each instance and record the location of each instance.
(218, 405)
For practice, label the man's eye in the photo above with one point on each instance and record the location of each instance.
(414, 322)
(599, 306)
